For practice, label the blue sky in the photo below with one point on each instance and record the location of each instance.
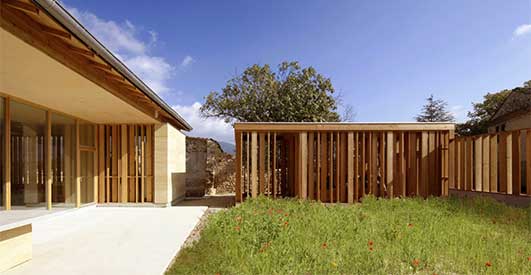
(384, 57)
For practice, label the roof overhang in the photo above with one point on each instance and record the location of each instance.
(47, 26)
(343, 126)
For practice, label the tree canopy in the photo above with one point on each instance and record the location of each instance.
(289, 94)
(479, 117)
(435, 110)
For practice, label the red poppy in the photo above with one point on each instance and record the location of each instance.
(237, 228)
(370, 243)
(415, 262)
(285, 223)
(370, 248)
(286, 214)
(488, 264)
(529, 259)
(409, 225)
(324, 245)
(218, 273)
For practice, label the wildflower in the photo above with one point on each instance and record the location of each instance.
(264, 247)
(286, 223)
(286, 214)
(237, 228)
(370, 243)
(488, 264)
(324, 246)
(371, 249)
(279, 211)
(529, 259)
(415, 262)
(409, 225)
(238, 218)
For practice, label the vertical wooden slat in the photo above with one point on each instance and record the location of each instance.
(478, 159)
(238, 166)
(78, 167)
(339, 168)
(502, 160)
(459, 164)
(350, 167)
(528, 161)
(493, 161)
(509, 156)
(402, 164)
(303, 164)
(363, 164)
(261, 165)
(432, 164)
(248, 163)
(149, 163)
(356, 166)
(274, 180)
(318, 168)
(48, 160)
(311, 176)
(382, 165)
(412, 183)
(331, 167)
(424, 164)
(486, 164)
(123, 176)
(101, 163)
(324, 165)
(516, 163)
(453, 159)
(389, 177)
(254, 162)
(142, 164)
(7, 154)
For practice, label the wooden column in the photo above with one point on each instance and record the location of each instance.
(478, 165)
(509, 159)
(124, 163)
(274, 179)
(101, 164)
(7, 155)
(78, 167)
(261, 165)
(528, 161)
(516, 163)
(350, 167)
(238, 165)
(486, 164)
(493, 163)
(303, 164)
(389, 165)
(48, 160)
(424, 165)
(311, 177)
(254, 162)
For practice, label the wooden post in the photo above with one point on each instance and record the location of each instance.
(78, 167)
(486, 164)
(389, 166)
(124, 163)
(254, 162)
(516, 163)
(528, 161)
(350, 167)
(274, 179)
(261, 165)
(48, 160)
(7, 155)
(238, 166)
(493, 161)
(311, 177)
(424, 165)
(303, 164)
(478, 158)
(510, 169)
(101, 163)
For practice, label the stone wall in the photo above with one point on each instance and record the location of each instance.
(209, 169)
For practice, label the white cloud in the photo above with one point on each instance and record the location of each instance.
(205, 127)
(522, 30)
(459, 113)
(122, 39)
(188, 60)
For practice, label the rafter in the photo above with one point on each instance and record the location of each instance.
(19, 5)
(81, 51)
(100, 65)
(54, 31)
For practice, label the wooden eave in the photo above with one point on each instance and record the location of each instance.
(339, 126)
(35, 26)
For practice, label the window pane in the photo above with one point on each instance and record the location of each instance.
(86, 134)
(28, 126)
(63, 160)
(2, 110)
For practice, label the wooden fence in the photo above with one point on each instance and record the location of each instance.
(342, 162)
(493, 163)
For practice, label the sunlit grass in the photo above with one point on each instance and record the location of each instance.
(400, 236)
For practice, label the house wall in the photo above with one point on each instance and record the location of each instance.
(170, 164)
(516, 123)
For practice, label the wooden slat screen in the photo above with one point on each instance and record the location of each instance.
(492, 163)
(125, 165)
(342, 166)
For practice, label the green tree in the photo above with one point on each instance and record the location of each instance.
(435, 110)
(259, 94)
(478, 118)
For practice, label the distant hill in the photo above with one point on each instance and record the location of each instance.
(228, 148)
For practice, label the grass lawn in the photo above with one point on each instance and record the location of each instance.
(400, 236)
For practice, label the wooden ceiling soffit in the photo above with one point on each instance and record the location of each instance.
(23, 26)
(19, 5)
(80, 51)
(54, 31)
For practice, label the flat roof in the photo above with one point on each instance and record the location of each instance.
(343, 126)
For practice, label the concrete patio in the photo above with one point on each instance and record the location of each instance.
(109, 240)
